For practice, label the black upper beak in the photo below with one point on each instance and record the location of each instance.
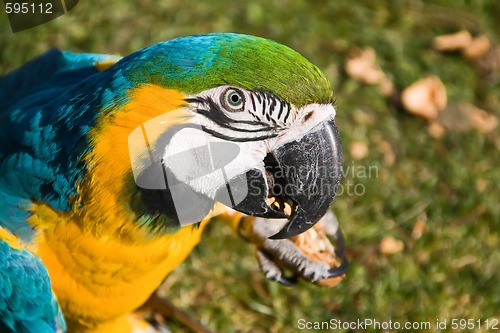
(303, 174)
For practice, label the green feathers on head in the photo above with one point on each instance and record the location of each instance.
(196, 63)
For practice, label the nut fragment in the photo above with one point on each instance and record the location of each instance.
(358, 150)
(363, 67)
(482, 120)
(316, 245)
(391, 245)
(477, 48)
(452, 42)
(471, 48)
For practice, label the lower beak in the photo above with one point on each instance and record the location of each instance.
(303, 175)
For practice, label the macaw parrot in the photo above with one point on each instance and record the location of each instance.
(110, 168)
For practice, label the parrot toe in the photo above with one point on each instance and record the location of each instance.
(310, 256)
(272, 271)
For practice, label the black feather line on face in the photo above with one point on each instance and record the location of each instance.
(259, 98)
(287, 114)
(253, 110)
(272, 100)
(273, 105)
(282, 106)
(217, 116)
(228, 138)
(264, 100)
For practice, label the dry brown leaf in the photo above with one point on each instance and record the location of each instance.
(436, 130)
(391, 245)
(464, 116)
(363, 67)
(358, 150)
(452, 42)
(419, 228)
(425, 98)
(482, 120)
(477, 48)
(471, 48)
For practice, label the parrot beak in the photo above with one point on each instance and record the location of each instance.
(300, 181)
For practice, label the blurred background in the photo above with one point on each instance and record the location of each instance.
(417, 109)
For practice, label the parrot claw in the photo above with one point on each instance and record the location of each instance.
(273, 272)
(277, 256)
(339, 252)
(338, 271)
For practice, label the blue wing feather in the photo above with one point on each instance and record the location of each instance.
(27, 303)
(36, 73)
(45, 114)
(47, 108)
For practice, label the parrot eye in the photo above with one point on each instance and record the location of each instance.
(233, 100)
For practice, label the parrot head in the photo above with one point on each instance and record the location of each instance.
(256, 131)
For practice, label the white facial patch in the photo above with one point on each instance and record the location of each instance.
(206, 163)
(307, 117)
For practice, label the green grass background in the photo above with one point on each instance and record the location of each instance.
(452, 270)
